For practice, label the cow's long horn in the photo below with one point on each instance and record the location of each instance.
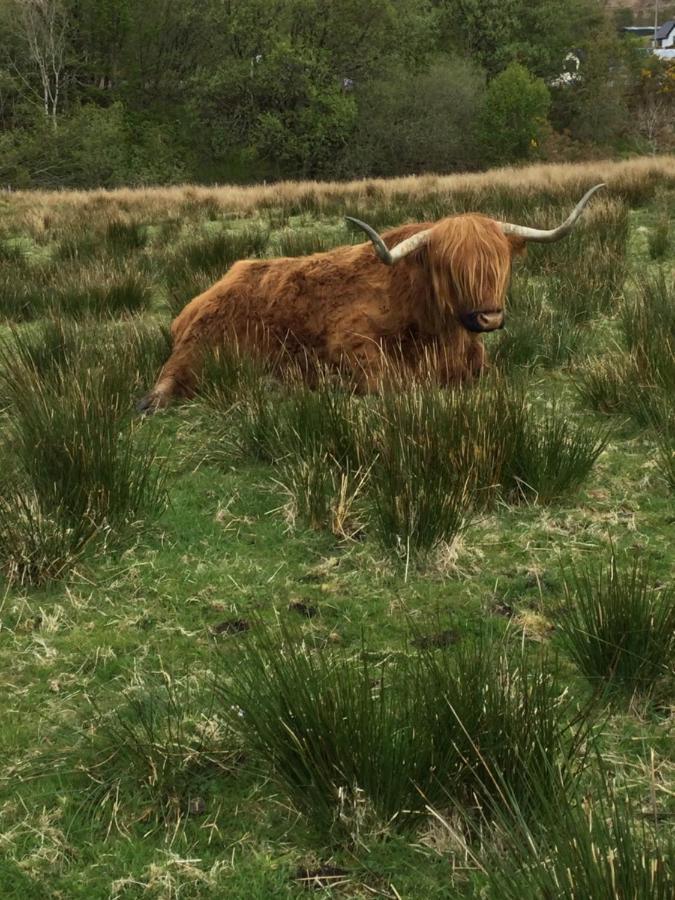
(400, 250)
(537, 234)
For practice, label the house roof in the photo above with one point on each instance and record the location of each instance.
(664, 30)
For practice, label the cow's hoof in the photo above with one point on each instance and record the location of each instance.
(149, 404)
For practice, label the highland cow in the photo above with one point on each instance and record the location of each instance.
(432, 288)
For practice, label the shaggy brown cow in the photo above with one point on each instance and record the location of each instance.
(441, 286)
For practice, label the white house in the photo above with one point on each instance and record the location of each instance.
(664, 38)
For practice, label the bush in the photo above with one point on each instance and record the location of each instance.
(514, 115)
(422, 122)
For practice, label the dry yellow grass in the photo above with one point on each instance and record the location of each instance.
(556, 180)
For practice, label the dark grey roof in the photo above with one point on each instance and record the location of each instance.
(665, 29)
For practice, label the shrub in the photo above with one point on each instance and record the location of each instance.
(619, 624)
(514, 113)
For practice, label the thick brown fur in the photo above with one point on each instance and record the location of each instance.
(345, 307)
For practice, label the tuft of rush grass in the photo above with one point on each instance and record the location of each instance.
(322, 493)
(76, 450)
(659, 237)
(304, 241)
(665, 442)
(588, 269)
(80, 465)
(100, 290)
(38, 543)
(595, 846)
(417, 497)
(160, 743)
(195, 265)
(648, 325)
(552, 457)
(537, 332)
(362, 746)
(423, 458)
(618, 624)
(639, 382)
(231, 377)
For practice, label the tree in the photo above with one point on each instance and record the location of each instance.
(514, 115)
(421, 122)
(44, 26)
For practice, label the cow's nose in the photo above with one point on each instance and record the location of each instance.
(490, 321)
(483, 321)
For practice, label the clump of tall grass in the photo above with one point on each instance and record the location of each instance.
(157, 747)
(99, 290)
(303, 242)
(641, 380)
(197, 264)
(423, 457)
(114, 237)
(359, 745)
(80, 461)
(38, 543)
(130, 350)
(658, 237)
(589, 267)
(538, 332)
(231, 376)
(591, 847)
(70, 437)
(665, 442)
(418, 496)
(22, 294)
(618, 624)
(551, 457)
(648, 324)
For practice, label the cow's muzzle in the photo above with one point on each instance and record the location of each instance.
(480, 321)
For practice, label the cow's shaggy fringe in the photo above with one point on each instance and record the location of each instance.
(618, 624)
(359, 745)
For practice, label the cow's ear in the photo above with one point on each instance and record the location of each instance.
(518, 245)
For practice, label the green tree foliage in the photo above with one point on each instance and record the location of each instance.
(396, 134)
(514, 115)
(140, 91)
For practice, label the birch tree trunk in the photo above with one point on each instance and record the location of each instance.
(44, 26)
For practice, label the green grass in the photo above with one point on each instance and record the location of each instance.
(270, 577)
(618, 625)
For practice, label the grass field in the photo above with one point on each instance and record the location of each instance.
(277, 642)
